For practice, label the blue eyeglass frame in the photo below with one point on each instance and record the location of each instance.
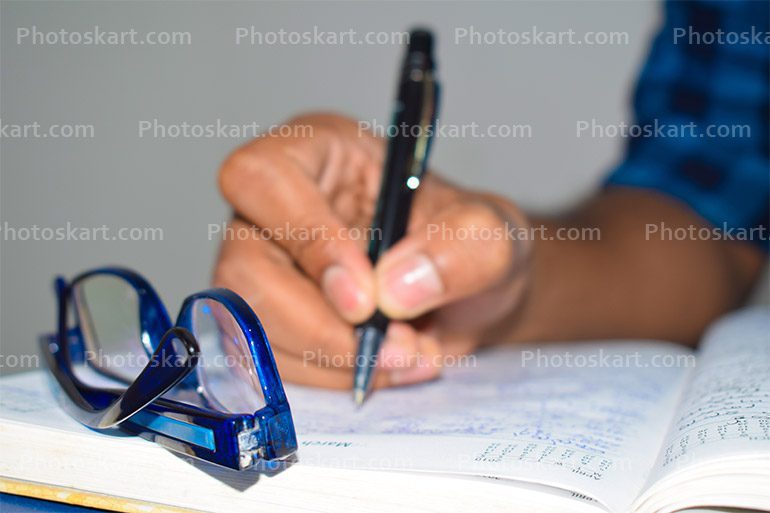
(237, 441)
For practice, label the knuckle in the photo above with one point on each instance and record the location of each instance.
(237, 274)
(318, 118)
(310, 252)
(499, 256)
(480, 216)
(490, 248)
(314, 243)
(242, 168)
(225, 273)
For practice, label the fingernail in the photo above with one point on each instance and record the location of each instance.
(423, 371)
(412, 283)
(341, 288)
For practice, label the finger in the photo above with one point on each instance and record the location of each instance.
(406, 357)
(461, 251)
(295, 315)
(263, 275)
(313, 371)
(322, 373)
(279, 184)
(409, 356)
(399, 349)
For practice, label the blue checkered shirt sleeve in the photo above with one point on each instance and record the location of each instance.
(718, 86)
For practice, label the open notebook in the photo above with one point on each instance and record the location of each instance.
(613, 426)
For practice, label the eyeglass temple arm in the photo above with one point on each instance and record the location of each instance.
(170, 363)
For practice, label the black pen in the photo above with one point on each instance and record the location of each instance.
(409, 141)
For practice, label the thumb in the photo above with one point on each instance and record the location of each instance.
(463, 250)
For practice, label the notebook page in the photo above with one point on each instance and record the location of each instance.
(589, 418)
(726, 409)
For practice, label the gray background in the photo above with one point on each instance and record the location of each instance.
(121, 180)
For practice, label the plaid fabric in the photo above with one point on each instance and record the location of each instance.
(695, 78)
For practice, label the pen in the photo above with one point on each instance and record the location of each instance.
(409, 140)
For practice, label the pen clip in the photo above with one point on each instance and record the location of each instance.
(427, 119)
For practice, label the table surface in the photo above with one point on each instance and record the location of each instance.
(17, 504)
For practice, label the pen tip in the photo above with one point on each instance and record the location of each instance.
(359, 396)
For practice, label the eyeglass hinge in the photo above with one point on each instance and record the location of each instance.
(249, 446)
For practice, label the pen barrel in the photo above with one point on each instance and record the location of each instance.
(370, 337)
(409, 140)
(410, 135)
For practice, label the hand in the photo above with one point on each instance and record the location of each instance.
(296, 251)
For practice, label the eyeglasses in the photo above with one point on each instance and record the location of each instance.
(205, 387)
